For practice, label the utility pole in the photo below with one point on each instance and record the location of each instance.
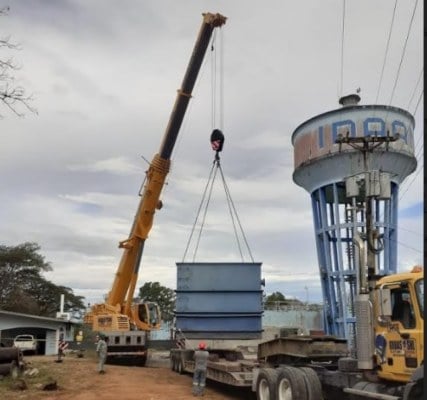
(306, 293)
(374, 187)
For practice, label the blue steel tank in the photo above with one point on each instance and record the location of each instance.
(219, 300)
(337, 177)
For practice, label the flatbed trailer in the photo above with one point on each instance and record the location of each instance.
(235, 368)
(225, 366)
(299, 368)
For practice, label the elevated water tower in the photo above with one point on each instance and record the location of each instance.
(352, 160)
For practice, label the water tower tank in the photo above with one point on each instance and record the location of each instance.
(339, 177)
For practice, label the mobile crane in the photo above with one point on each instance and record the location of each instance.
(125, 323)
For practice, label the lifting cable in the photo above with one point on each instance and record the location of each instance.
(206, 198)
(217, 141)
(198, 213)
(232, 209)
(217, 83)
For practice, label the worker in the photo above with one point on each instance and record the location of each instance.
(79, 340)
(101, 351)
(201, 364)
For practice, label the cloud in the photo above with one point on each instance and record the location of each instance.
(117, 165)
(104, 80)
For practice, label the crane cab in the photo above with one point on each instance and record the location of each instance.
(146, 315)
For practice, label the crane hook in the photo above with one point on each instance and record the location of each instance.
(217, 140)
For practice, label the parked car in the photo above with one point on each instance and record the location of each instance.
(27, 343)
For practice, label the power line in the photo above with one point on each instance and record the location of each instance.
(411, 182)
(415, 112)
(418, 102)
(415, 88)
(386, 51)
(403, 53)
(418, 154)
(408, 247)
(342, 49)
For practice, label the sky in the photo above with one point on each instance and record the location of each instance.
(104, 75)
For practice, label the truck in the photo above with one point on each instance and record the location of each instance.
(126, 324)
(384, 362)
(386, 359)
(388, 364)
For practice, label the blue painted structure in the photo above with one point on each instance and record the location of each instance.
(290, 316)
(322, 167)
(219, 300)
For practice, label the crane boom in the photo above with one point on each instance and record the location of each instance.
(210, 21)
(118, 312)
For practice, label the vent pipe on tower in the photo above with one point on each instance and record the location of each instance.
(349, 100)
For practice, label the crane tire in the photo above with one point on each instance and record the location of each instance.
(142, 361)
(312, 384)
(266, 384)
(291, 384)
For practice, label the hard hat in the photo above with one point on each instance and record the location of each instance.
(202, 345)
(417, 268)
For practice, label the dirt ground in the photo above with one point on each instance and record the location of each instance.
(77, 379)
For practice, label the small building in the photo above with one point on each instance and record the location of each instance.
(48, 331)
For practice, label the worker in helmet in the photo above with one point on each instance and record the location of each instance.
(201, 356)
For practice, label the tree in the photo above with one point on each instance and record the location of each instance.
(163, 296)
(18, 265)
(12, 95)
(24, 289)
(48, 295)
(274, 299)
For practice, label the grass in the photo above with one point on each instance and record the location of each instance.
(48, 370)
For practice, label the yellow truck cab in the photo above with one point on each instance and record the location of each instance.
(399, 325)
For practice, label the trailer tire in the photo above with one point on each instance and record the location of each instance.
(175, 364)
(179, 366)
(266, 384)
(312, 384)
(413, 391)
(291, 384)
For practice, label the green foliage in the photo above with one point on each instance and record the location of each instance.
(24, 289)
(274, 298)
(163, 296)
